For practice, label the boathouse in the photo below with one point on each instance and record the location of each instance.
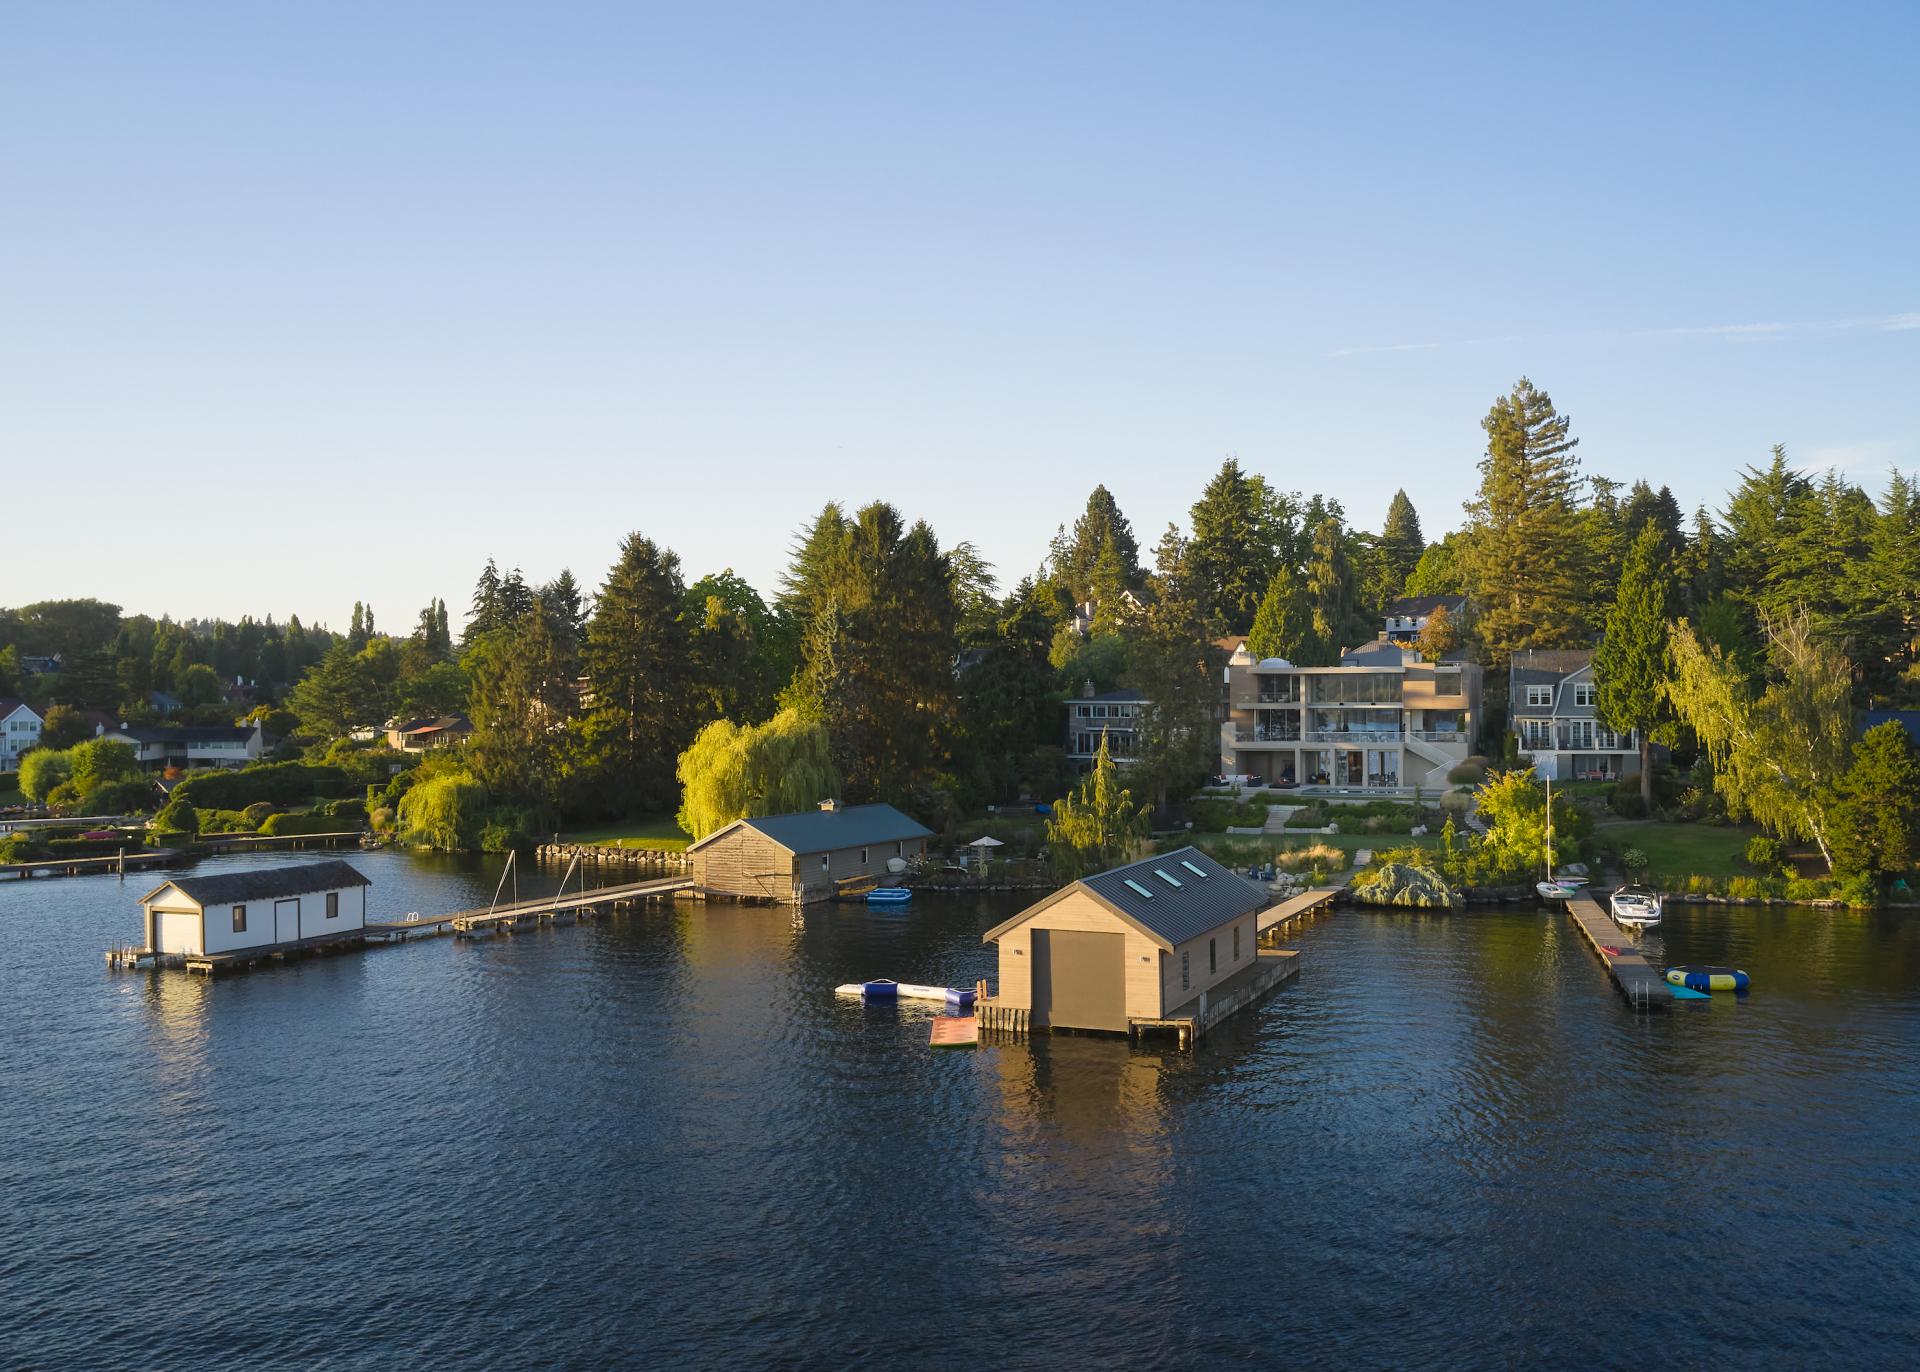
(799, 858)
(1166, 942)
(248, 912)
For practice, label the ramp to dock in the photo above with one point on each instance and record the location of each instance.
(1296, 908)
(1639, 980)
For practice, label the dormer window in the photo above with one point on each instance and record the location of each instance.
(1539, 695)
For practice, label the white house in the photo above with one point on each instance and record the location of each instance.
(235, 912)
(19, 731)
(162, 747)
(1554, 711)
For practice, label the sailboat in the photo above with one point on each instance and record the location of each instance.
(1555, 888)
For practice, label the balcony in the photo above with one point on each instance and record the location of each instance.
(1355, 738)
(1244, 700)
(1243, 733)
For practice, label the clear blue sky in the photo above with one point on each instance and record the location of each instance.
(300, 305)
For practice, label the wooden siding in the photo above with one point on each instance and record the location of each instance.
(1198, 978)
(819, 882)
(745, 863)
(1078, 910)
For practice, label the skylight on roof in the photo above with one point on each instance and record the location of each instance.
(1191, 868)
(1167, 877)
(1138, 889)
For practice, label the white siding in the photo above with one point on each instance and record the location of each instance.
(177, 931)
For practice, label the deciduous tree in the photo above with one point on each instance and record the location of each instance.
(1098, 826)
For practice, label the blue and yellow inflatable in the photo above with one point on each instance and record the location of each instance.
(1708, 978)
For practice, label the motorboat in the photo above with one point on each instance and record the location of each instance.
(1635, 906)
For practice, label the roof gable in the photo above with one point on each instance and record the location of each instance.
(1201, 896)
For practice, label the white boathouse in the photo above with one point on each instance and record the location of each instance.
(252, 912)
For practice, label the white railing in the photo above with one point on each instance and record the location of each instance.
(1354, 737)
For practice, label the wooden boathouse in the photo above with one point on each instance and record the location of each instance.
(250, 914)
(1167, 943)
(800, 858)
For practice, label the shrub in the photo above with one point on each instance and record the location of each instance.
(280, 783)
(1469, 773)
(121, 797)
(1316, 855)
(256, 813)
(1634, 860)
(504, 831)
(1624, 800)
(352, 810)
(1753, 888)
(1457, 802)
(178, 816)
(227, 822)
(1766, 854)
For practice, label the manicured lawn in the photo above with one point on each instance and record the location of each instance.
(1682, 849)
(660, 832)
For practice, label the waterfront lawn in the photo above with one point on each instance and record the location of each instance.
(659, 832)
(1708, 850)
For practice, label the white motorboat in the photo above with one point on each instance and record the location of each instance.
(1635, 906)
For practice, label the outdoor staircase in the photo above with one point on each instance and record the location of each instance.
(1277, 818)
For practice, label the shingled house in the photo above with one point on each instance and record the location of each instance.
(799, 858)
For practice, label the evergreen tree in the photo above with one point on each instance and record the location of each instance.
(1630, 666)
(484, 616)
(521, 702)
(1893, 575)
(1332, 601)
(1603, 548)
(638, 657)
(1101, 533)
(1764, 516)
(565, 606)
(1234, 548)
(1284, 625)
(1821, 561)
(1172, 663)
(817, 551)
(356, 636)
(1005, 700)
(1523, 547)
(1702, 564)
(1401, 544)
(1873, 814)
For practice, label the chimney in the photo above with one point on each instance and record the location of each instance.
(830, 806)
(1086, 689)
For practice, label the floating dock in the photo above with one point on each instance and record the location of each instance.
(1639, 980)
(954, 1031)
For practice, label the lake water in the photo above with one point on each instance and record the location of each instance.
(660, 1140)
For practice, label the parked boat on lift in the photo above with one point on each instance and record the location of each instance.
(1635, 907)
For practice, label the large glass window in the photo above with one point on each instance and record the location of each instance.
(1357, 688)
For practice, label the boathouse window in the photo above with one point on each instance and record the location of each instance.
(1183, 972)
(826, 860)
(333, 905)
(1236, 943)
(1213, 955)
(863, 857)
(239, 919)
(1539, 695)
(900, 849)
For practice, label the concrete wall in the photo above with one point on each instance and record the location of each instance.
(1078, 910)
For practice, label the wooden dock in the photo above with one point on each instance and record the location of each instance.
(118, 864)
(1296, 909)
(505, 918)
(1639, 980)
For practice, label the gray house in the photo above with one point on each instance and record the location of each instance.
(799, 858)
(1553, 709)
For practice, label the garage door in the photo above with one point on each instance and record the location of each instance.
(1081, 979)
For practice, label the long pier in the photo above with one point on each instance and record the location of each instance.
(1639, 980)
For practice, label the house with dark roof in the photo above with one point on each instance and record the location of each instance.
(425, 735)
(799, 858)
(1117, 714)
(1147, 942)
(1408, 615)
(19, 730)
(1553, 705)
(237, 912)
(158, 747)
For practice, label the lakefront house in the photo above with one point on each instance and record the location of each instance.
(1385, 720)
(1554, 707)
(1115, 714)
(1408, 615)
(19, 731)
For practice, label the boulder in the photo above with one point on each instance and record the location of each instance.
(1398, 883)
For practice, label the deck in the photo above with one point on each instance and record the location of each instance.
(1190, 1022)
(1639, 980)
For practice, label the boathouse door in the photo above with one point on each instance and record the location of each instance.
(1080, 979)
(286, 920)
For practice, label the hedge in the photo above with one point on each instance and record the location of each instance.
(280, 783)
(283, 824)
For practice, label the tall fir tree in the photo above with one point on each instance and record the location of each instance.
(1333, 604)
(1630, 666)
(1234, 548)
(1764, 518)
(521, 703)
(1100, 557)
(1284, 625)
(1893, 575)
(1173, 664)
(1523, 545)
(1401, 543)
(639, 662)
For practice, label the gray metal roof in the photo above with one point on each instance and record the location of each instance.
(266, 883)
(1178, 913)
(822, 831)
(1555, 667)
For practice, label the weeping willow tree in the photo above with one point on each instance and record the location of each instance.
(1099, 825)
(1776, 752)
(444, 811)
(731, 771)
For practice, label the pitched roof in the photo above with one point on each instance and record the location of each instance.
(8, 704)
(266, 883)
(187, 733)
(1557, 660)
(1125, 693)
(820, 831)
(1169, 912)
(1414, 606)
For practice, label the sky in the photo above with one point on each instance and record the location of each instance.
(304, 305)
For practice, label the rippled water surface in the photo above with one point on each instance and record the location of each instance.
(660, 1140)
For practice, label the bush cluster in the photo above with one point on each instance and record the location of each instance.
(277, 783)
